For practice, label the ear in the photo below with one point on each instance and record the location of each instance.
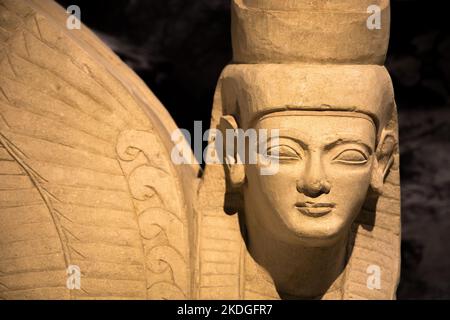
(384, 158)
(234, 168)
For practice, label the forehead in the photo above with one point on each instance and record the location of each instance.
(323, 127)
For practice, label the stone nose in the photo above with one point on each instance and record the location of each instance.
(314, 189)
(314, 183)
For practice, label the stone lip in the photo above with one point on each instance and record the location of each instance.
(312, 32)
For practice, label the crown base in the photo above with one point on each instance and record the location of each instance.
(308, 34)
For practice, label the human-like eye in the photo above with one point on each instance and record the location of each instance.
(283, 152)
(351, 156)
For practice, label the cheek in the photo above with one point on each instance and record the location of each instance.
(277, 188)
(350, 184)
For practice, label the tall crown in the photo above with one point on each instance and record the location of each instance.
(310, 31)
(253, 90)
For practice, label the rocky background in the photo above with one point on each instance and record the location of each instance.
(179, 47)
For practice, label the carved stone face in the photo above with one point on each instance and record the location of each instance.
(325, 169)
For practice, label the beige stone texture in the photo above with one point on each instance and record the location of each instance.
(86, 174)
(87, 178)
(314, 31)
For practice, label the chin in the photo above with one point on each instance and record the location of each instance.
(317, 232)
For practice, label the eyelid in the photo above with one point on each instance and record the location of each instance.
(295, 152)
(350, 145)
(363, 154)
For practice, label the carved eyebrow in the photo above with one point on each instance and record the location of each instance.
(296, 140)
(346, 141)
(288, 133)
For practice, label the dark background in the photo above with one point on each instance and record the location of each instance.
(179, 48)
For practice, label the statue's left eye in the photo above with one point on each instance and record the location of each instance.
(351, 156)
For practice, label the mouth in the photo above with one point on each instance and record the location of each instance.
(315, 210)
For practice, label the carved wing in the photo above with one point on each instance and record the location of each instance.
(85, 171)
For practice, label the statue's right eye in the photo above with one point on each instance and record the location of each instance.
(283, 152)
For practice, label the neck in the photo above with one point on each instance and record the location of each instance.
(298, 271)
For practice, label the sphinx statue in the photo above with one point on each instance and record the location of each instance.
(88, 182)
